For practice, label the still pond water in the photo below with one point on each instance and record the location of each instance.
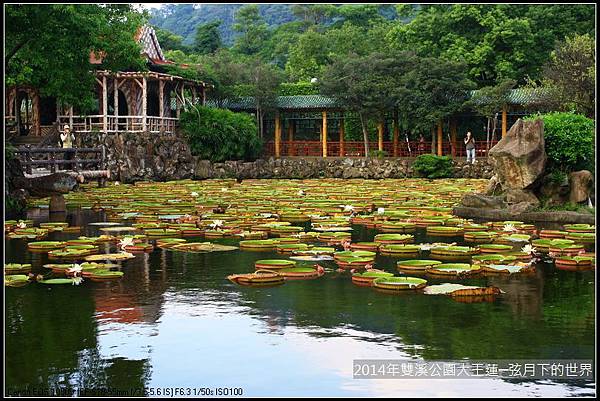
(175, 321)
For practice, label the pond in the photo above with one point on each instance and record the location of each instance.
(174, 323)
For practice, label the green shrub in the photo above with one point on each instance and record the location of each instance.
(380, 154)
(9, 152)
(569, 140)
(219, 134)
(432, 166)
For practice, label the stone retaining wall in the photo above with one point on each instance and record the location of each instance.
(162, 157)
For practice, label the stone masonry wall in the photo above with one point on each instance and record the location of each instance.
(162, 157)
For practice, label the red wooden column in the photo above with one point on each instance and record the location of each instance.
(324, 134)
(380, 136)
(277, 134)
(291, 125)
(453, 124)
(396, 134)
(440, 138)
(504, 120)
(342, 139)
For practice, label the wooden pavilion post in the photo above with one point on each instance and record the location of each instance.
(291, 126)
(277, 134)
(342, 139)
(396, 134)
(324, 134)
(453, 124)
(380, 136)
(440, 138)
(203, 95)
(177, 102)
(161, 101)
(71, 118)
(116, 102)
(504, 120)
(144, 102)
(104, 104)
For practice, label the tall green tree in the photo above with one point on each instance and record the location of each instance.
(264, 80)
(365, 85)
(48, 46)
(208, 38)
(497, 42)
(314, 14)
(252, 28)
(571, 74)
(169, 40)
(488, 101)
(434, 90)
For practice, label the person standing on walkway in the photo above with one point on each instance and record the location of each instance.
(67, 138)
(470, 145)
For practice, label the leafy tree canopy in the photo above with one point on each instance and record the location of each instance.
(48, 46)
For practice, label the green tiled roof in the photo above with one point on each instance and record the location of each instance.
(524, 96)
(300, 102)
(520, 96)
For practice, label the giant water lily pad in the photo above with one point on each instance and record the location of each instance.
(201, 247)
(460, 290)
(399, 283)
(16, 280)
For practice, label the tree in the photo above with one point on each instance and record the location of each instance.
(313, 14)
(571, 74)
(488, 101)
(208, 38)
(253, 30)
(497, 42)
(48, 46)
(308, 57)
(365, 85)
(433, 90)
(264, 80)
(168, 40)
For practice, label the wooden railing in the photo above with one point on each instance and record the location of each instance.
(357, 148)
(51, 158)
(119, 123)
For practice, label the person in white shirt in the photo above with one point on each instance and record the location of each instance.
(67, 138)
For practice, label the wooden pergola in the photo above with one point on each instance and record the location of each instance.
(132, 88)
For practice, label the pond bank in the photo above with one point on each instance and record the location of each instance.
(526, 217)
(166, 157)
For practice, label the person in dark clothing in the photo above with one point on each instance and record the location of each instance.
(470, 146)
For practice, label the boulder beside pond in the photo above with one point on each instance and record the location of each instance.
(580, 183)
(520, 157)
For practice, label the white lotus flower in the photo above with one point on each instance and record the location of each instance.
(301, 193)
(77, 280)
(267, 215)
(314, 216)
(75, 269)
(117, 183)
(194, 194)
(21, 225)
(509, 227)
(128, 254)
(348, 208)
(224, 190)
(380, 210)
(126, 241)
(529, 249)
(426, 247)
(216, 224)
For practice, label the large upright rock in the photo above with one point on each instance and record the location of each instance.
(519, 158)
(581, 186)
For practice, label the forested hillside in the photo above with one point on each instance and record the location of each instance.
(182, 19)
